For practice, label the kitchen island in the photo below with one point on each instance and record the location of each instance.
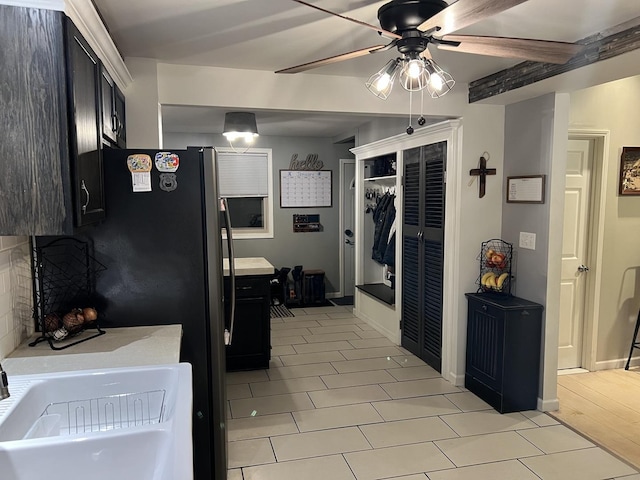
(120, 347)
(250, 347)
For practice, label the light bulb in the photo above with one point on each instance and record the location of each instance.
(247, 136)
(415, 68)
(436, 81)
(383, 82)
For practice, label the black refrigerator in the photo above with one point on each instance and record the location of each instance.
(162, 249)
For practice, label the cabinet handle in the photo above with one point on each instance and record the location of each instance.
(244, 288)
(84, 207)
(114, 123)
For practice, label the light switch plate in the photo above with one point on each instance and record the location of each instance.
(528, 240)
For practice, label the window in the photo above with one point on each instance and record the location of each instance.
(246, 180)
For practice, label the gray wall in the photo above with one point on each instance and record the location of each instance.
(528, 127)
(536, 135)
(287, 249)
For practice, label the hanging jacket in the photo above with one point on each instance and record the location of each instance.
(383, 216)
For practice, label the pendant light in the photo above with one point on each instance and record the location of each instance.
(240, 126)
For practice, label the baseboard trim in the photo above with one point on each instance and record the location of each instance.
(615, 364)
(548, 405)
(457, 380)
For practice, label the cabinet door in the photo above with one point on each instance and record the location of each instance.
(432, 239)
(411, 285)
(485, 344)
(107, 96)
(120, 118)
(250, 346)
(35, 193)
(84, 90)
(113, 111)
(422, 251)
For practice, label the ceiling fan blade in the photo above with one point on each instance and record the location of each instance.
(466, 12)
(377, 29)
(526, 49)
(334, 59)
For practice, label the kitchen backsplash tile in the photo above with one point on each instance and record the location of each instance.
(16, 297)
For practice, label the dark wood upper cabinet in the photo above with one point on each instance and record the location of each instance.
(113, 112)
(83, 79)
(51, 124)
(107, 94)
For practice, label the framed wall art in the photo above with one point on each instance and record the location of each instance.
(630, 171)
(525, 189)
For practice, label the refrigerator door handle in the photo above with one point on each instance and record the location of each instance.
(228, 334)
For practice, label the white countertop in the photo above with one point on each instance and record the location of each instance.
(119, 347)
(249, 266)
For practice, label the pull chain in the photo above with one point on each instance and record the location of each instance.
(410, 128)
(421, 119)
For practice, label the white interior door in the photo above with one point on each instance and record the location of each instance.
(347, 214)
(574, 252)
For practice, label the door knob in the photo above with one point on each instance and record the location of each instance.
(583, 268)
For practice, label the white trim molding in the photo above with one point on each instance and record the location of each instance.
(385, 320)
(86, 18)
(596, 246)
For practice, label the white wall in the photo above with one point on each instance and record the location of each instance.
(16, 301)
(613, 107)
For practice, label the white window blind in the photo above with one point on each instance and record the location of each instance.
(243, 174)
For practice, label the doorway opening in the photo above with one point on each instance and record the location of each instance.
(347, 232)
(582, 249)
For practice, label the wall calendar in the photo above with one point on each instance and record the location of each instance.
(300, 188)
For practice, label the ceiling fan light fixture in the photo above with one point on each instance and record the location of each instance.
(240, 125)
(381, 82)
(440, 82)
(414, 76)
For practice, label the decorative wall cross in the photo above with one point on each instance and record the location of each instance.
(482, 173)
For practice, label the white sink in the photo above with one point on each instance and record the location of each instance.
(125, 423)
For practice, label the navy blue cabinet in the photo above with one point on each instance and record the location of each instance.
(503, 351)
(250, 348)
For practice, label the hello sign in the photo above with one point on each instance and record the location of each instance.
(309, 163)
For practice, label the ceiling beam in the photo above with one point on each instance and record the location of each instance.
(615, 41)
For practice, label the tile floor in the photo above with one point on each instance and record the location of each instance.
(341, 402)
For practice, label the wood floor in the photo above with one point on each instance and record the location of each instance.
(604, 406)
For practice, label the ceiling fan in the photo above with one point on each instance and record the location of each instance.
(413, 25)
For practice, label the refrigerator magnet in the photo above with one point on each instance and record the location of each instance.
(167, 162)
(139, 165)
(168, 182)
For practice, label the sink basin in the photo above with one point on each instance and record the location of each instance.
(124, 423)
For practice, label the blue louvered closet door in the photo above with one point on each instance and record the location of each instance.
(423, 252)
